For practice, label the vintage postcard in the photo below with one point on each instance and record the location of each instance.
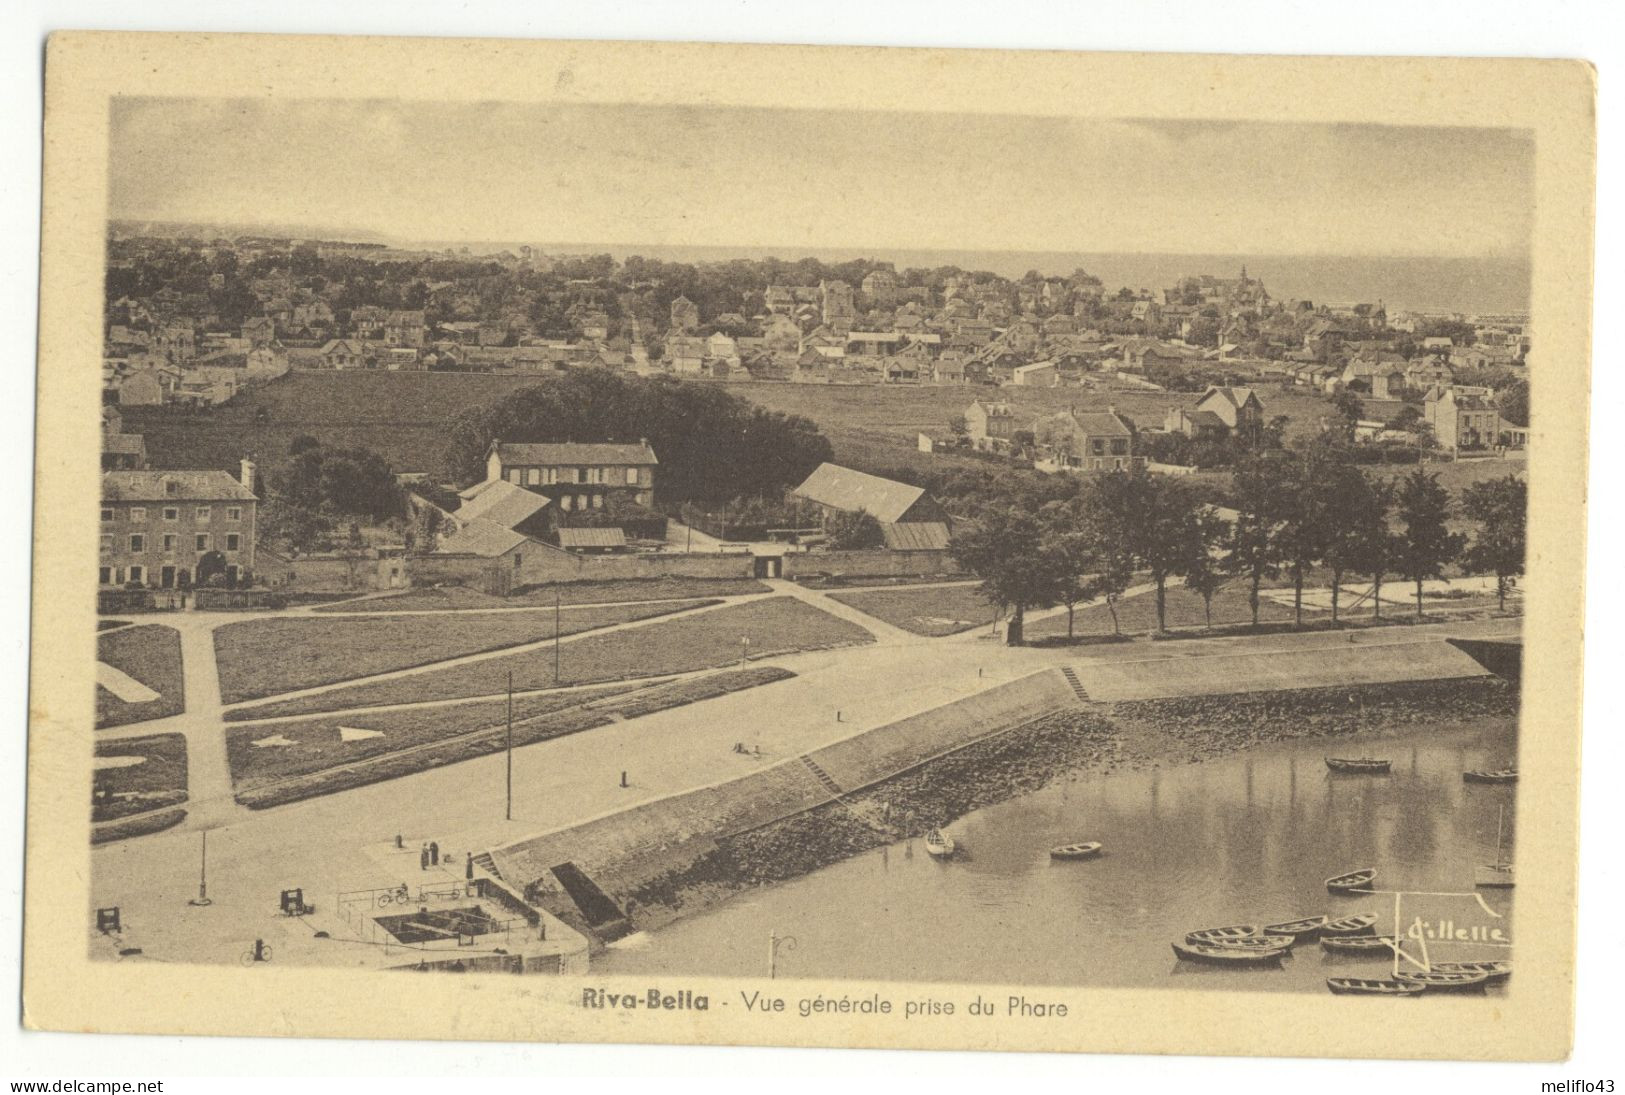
(686, 543)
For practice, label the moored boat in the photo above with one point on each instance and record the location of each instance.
(1379, 946)
(939, 844)
(1250, 943)
(1084, 850)
(1222, 935)
(1368, 986)
(1230, 956)
(1493, 876)
(1359, 766)
(1494, 972)
(1353, 881)
(1306, 927)
(1364, 924)
(1446, 981)
(1498, 775)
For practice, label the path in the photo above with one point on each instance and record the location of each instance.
(122, 685)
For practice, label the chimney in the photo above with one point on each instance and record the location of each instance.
(248, 474)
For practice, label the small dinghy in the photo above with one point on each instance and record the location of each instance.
(1365, 924)
(1085, 850)
(1446, 981)
(1230, 955)
(1359, 946)
(1303, 928)
(1359, 766)
(1223, 935)
(1250, 943)
(1494, 972)
(1499, 775)
(939, 844)
(1366, 986)
(1352, 882)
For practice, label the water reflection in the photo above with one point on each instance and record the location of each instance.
(1247, 839)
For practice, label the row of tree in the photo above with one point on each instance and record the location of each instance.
(1291, 513)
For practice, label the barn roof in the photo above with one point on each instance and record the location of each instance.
(845, 489)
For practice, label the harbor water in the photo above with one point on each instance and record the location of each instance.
(1249, 838)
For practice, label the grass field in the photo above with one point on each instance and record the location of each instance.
(159, 779)
(616, 591)
(935, 612)
(151, 654)
(318, 764)
(1184, 610)
(266, 657)
(775, 625)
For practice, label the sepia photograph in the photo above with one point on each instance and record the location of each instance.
(625, 546)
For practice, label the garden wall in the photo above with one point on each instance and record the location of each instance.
(871, 563)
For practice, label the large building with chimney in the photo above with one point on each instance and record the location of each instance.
(158, 527)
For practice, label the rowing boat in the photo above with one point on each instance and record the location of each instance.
(1223, 935)
(1366, 986)
(1364, 924)
(1230, 956)
(1353, 881)
(1303, 928)
(1085, 850)
(939, 844)
(1499, 775)
(1359, 945)
(1250, 943)
(1447, 981)
(1496, 972)
(1358, 766)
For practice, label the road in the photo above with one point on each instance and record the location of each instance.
(346, 841)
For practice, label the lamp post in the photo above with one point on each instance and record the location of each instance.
(202, 897)
(774, 942)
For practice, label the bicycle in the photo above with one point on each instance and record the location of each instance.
(256, 954)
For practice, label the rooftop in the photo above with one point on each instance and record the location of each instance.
(845, 489)
(169, 486)
(564, 453)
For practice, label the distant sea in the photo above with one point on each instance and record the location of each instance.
(1488, 284)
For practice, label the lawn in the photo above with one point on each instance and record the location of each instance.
(774, 625)
(157, 778)
(319, 762)
(151, 654)
(267, 657)
(615, 591)
(940, 611)
(1138, 614)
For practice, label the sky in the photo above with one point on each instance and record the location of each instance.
(699, 175)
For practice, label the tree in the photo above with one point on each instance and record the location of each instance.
(1426, 544)
(1204, 575)
(1500, 506)
(1513, 402)
(1349, 408)
(853, 531)
(1305, 500)
(1370, 547)
(1005, 550)
(1352, 512)
(1254, 551)
(1070, 552)
(1152, 520)
(958, 426)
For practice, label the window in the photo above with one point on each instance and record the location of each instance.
(172, 513)
(595, 475)
(581, 475)
(1119, 447)
(631, 477)
(1098, 447)
(564, 501)
(138, 543)
(518, 558)
(232, 540)
(534, 477)
(171, 488)
(170, 543)
(138, 514)
(233, 513)
(516, 476)
(202, 541)
(598, 501)
(104, 576)
(138, 574)
(107, 542)
(107, 513)
(204, 513)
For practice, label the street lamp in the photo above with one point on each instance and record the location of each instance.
(774, 942)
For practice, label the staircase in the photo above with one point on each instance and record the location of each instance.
(823, 778)
(1072, 681)
(485, 863)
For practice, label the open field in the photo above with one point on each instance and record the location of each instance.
(158, 778)
(266, 657)
(320, 766)
(1138, 614)
(775, 625)
(151, 653)
(935, 612)
(615, 591)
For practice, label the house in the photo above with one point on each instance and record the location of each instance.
(1462, 421)
(124, 452)
(507, 504)
(158, 527)
(881, 288)
(1220, 412)
(834, 489)
(873, 343)
(1040, 374)
(259, 332)
(1086, 441)
(405, 329)
(992, 426)
(148, 387)
(836, 307)
(342, 353)
(367, 322)
(577, 476)
(1383, 377)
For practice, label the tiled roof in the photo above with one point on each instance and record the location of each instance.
(169, 486)
(845, 489)
(486, 539)
(591, 538)
(566, 453)
(504, 504)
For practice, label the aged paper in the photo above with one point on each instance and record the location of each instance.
(452, 618)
